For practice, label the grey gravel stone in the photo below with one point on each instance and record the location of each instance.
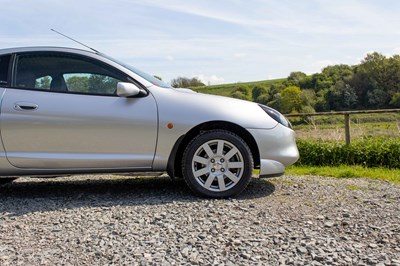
(329, 224)
(117, 220)
(302, 250)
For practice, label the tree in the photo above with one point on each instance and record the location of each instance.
(319, 81)
(291, 100)
(195, 82)
(341, 97)
(377, 80)
(350, 98)
(276, 103)
(257, 91)
(371, 78)
(182, 82)
(360, 83)
(308, 99)
(377, 97)
(263, 98)
(321, 104)
(328, 78)
(241, 92)
(296, 77)
(395, 102)
(338, 72)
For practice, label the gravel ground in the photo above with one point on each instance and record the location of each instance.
(109, 220)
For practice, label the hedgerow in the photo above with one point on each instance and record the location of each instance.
(369, 152)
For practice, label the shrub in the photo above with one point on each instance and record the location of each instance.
(291, 100)
(370, 152)
(242, 92)
(263, 99)
(257, 91)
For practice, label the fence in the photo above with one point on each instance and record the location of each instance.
(346, 115)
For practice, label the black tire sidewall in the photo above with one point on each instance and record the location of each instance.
(4, 181)
(217, 135)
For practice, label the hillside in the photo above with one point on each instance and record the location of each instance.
(227, 89)
(372, 84)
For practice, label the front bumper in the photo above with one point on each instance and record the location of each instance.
(271, 168)
(277, 147)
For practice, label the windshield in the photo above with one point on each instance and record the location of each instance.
(146, 76)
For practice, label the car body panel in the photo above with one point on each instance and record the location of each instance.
(277, 149)
(192, 109)
(75, 131)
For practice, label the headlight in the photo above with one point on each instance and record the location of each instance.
(278, 117)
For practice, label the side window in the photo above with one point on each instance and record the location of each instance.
(4, 63)
(90, 83)
(61, 72)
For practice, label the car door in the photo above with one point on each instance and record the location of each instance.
(62, 112)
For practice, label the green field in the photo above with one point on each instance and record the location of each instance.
(227, 89)
(361, 126)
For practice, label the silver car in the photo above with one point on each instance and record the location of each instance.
(70, 111)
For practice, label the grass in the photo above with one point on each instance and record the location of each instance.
(227, 89)
(345, 171)
(332, 127)
(356, 118)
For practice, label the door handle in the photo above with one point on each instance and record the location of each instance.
(24, 106)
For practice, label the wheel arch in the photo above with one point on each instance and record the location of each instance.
(175, 158)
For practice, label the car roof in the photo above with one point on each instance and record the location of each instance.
(44, 48)
(92, 54)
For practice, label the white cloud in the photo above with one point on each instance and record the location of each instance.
(239, 55)
(202, 9)
(318, 16)
(210, 80)
(170, 58)
(38, 40)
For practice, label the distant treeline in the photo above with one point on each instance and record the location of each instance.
(373, 84)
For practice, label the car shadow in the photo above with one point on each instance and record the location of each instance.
(41, 195)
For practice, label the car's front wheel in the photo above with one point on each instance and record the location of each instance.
(6, 180)
(218, 164)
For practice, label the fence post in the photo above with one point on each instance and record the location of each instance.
(347, 127)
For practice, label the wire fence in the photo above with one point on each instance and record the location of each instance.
(394, 125)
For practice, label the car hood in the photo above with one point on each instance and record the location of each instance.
(189, 107)
(185, 90)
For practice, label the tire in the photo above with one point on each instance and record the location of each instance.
(7, 180)
(217, 164)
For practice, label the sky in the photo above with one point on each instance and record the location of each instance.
(217, 41)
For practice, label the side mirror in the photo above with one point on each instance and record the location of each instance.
(126, 89)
